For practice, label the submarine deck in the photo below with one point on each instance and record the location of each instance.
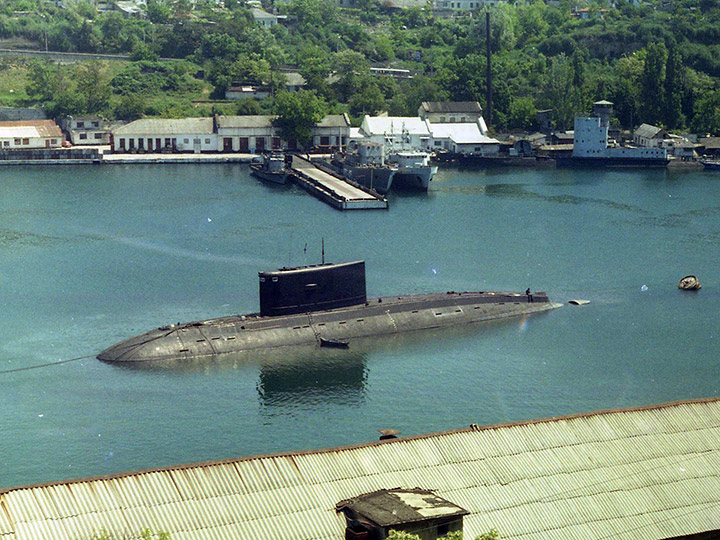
(379, 316)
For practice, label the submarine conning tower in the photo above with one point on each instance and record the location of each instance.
(312, 288)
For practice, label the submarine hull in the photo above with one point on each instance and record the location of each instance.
(376, 317)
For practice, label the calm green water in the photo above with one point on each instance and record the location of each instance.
(92, 255)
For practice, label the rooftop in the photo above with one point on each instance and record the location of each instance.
(461, 133)
(30, 128)
(396, 506)
(452, 107)
(394, 125)
(249, 121)
(644, 473)
(167, 126)
(648, 131)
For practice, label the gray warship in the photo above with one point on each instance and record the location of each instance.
(322, 304)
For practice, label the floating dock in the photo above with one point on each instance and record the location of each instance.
(333, 190)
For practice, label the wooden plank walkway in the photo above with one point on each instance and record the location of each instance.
(333, 190)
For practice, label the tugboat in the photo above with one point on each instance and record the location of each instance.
(324, 304)
(272, 168)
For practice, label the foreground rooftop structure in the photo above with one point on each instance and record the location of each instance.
(633, 474)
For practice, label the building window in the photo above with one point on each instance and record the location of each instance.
(17, 142)
(81, 124)
(83, 135)
(6, 143)
(98, 135)
(96, 124)
(186, 141)
(26, 141)
(122, 144)
(53, 141)
(207, 141)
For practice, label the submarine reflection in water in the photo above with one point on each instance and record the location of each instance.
(320, 304)
(337, 379)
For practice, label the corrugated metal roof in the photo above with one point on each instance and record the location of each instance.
(394, 125)
(632, 474)
(249, 121)
(30, 128)
(335, 120)
(167, 126)
(648, 131)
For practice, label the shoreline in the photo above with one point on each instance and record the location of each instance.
(102, 158)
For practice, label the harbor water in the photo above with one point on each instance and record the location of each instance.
(91, 255)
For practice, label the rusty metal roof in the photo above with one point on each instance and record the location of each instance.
(30, 128)
(630, 474)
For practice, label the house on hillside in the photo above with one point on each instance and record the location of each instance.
(166, 135)
(454, 7)
(263, 18)
(246, 91)
(30, 134)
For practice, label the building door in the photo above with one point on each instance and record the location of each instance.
(227, 144)
(244, 144)
(259, 145)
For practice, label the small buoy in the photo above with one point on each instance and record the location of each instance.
(689, 283)
(579, 302)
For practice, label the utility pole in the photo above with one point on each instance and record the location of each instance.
(488, 97)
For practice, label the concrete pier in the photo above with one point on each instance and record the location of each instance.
(333, 190)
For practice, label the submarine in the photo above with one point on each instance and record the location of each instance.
(324, 303)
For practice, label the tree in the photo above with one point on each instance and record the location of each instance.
(368, 100)
(651, 83)
(43, 81)
(350, 68)
(557, 91)
(297, 113)
(93, 86)
(158, 12)
(673, 90)
(522, 113)
(707, 114)
(131, 107)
